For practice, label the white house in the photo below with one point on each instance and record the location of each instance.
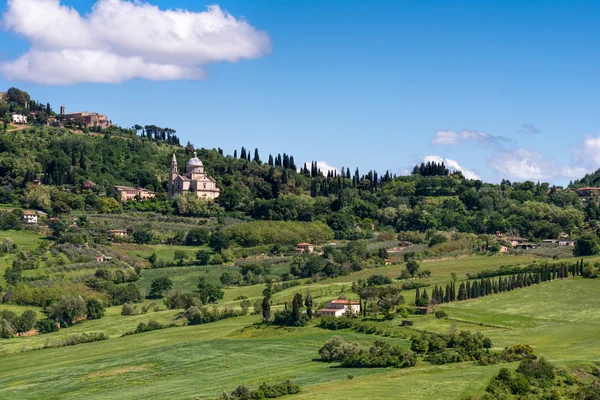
(29, 217)
(19, 118)
(337, 308)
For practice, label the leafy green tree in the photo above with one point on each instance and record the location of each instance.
(26, 322)
(219, 240)
(143, 236)
(68, 310)
(179, 256)
(226, 279)
(208, 292)
(95, 309)
(413, 267)
(202, 256)
(160, 286)
(197, 237)
(586, 245)
(108, 205)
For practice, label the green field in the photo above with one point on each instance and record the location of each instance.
(25, 240)
(559, 319)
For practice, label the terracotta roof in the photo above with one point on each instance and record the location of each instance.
(29, 213)
(304, 244)
(588, 188)
(345, 302)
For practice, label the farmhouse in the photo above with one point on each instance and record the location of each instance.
(103, 258)
(18, 118)
(525, 246)
(387, 261)
(305, 248)
(127, 193)
(515, 240)
(566, 242)
(588, 191)
(29, 217)
(337, 308)
(193, 180)
(117, 233)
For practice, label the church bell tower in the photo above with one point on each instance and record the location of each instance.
(172, 174)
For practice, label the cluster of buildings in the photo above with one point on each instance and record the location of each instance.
(127, 193)
(86, 118)
(522, 243)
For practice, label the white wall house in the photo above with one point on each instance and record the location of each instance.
(19, 119)
(337, 308)
(29, 217)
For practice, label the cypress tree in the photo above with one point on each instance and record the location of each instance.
(462, 292)
(308, 303)
(468, 291)
(417, 294)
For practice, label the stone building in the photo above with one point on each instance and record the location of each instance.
(127, 193)
(192, 180)
(89, 119)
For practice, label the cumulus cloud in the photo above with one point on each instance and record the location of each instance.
(529, 128)
(452, 165)
(323, 166)
(120, 40)
(456, 137)
(522, 164)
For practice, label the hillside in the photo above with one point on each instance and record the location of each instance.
(187, 298)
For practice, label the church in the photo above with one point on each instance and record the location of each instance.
(192, 180)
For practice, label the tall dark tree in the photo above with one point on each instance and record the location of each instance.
(308, 303)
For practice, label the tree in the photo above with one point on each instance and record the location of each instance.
(202, 256)
(226, 279)
(197, 237)
(413, 267)
(26, 322)
(160, 285)
(95, 309)
(208, 292)
(308, 303)
(266, 303)
(586, 245)
(219, 240)
(179, 256)
(296, 308)
(143, 236)
(108, 205)
(68, 310)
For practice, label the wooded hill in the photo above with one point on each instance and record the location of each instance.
(429, 199)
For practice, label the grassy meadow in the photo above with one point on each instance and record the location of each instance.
(559, 319)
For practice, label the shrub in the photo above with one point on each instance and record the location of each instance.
(377, 280)
(46, 326)
(337, 349)
(95, 309)
(179, 300)
(129, 309)
(441, 314)
(68, 310)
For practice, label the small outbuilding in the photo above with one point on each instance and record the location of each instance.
(305, 248)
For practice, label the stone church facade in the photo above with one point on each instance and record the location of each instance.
(192, 180)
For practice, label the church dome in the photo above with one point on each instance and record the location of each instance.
(195, 161)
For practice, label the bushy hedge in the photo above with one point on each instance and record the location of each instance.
(352, 355)
(77, 339)
(205, 315)
(264, 391)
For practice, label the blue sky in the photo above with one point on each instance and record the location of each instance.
(501, 89)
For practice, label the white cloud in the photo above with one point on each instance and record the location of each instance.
(590, 153)
(120, 40)
(452, 165)
(453, 138)
(522, 164)
(322, 165)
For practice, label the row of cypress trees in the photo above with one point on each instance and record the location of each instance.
(486, 286)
